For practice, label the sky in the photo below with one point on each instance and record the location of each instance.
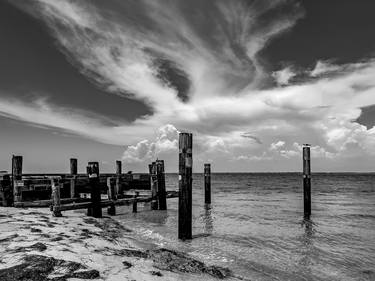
(252, 80)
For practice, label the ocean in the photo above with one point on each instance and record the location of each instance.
(255, 225)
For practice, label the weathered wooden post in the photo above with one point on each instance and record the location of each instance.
(185, 186)
(306, 181)
(154, 186)
(207, 183)
(135, 201)
(94, 183)
(56, 212)
(73, 166)
(111, 196)
(6, 185)
(73, 173)
(118, 176)
(162, 199)
(17, 178)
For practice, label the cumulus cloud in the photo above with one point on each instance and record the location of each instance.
(283, 76)
(123, 52)
(166, 142)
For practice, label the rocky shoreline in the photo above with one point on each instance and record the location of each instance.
(36, 246)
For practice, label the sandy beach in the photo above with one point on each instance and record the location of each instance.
(36, 246)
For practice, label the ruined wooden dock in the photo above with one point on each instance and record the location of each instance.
(72, 191)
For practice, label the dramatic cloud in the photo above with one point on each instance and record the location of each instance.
(147, 49)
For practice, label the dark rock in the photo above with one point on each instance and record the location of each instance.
(179, 262)
(37, 230)
(58, 238)
(38, 246)
(133, 253)
(38, 268)
(156, 273)
(127, 264)
(87, 274)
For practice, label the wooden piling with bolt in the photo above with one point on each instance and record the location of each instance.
(162, 200)
(306, 181)
(56, 203)
(185, 186)
(154, 186)
(93, 174)
(17, 178)
(135, 201)
(207, 183)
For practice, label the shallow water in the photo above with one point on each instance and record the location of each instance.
(255, 227)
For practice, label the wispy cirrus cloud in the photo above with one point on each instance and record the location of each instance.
(142, 48)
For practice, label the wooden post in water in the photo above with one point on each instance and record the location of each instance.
(154, 186)
(56, 212)
(162, 199)
(73, 173)
(207, 183)
(17, 178)
(111, 196)
(135, 201)
(306, 181)
(185, 186)
(93, 174)
(118, 176)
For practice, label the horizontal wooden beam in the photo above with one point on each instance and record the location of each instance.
(47, 203)
(107, 203)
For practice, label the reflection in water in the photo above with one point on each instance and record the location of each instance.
(159, 217)
(307, 241)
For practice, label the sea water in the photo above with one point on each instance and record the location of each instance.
(255, 225)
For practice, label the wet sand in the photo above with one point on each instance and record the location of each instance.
(36, 246)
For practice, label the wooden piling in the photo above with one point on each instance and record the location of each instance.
(306, 181)
(154, 186)
(56, 203)
(73, 187)
(135, 201)
(118, 177)
(162, 200)
(17, 178)
(111, 196)
(185, 186)
(93, 174)
(73, 166)
(73, 173)
(207, 183)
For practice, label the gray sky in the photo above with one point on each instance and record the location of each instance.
(253, 81)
